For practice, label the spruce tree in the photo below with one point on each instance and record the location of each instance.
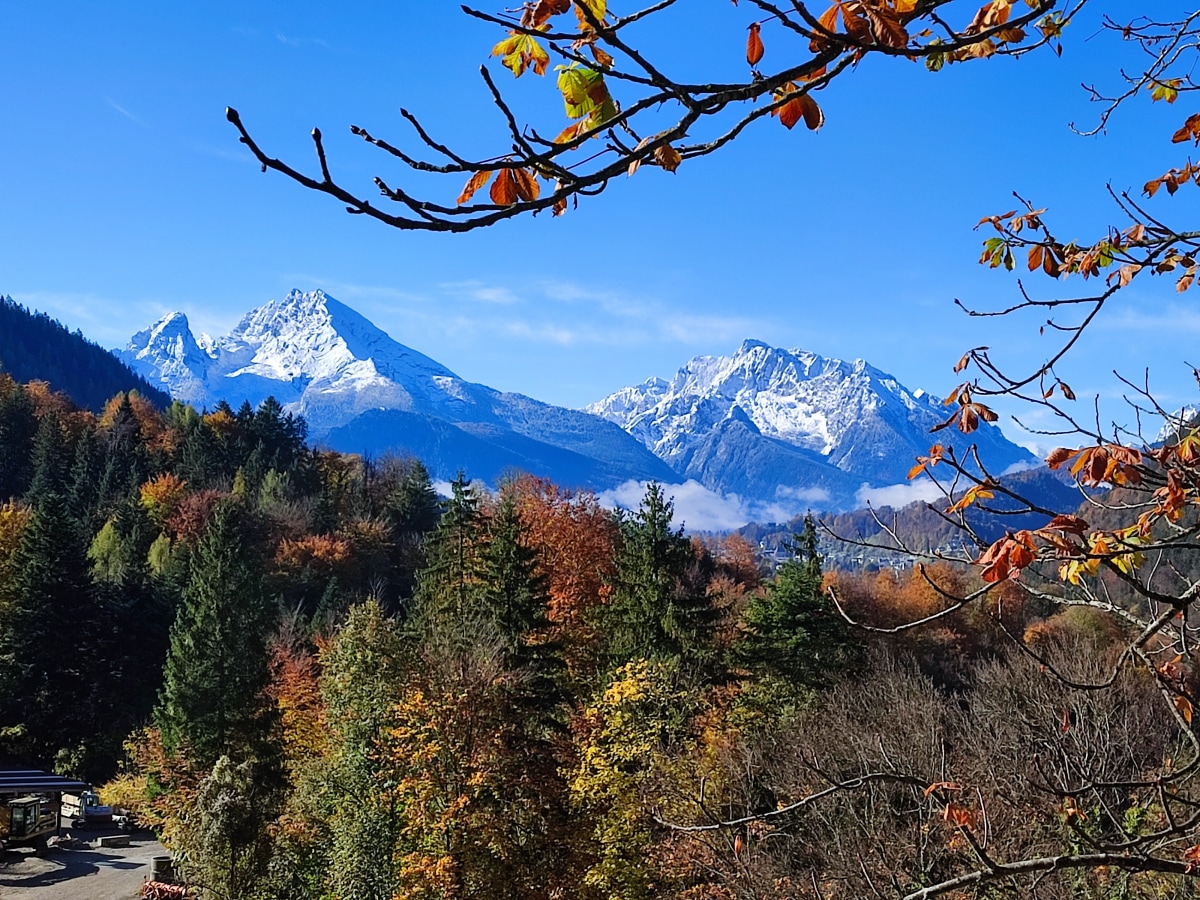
(513, 605)
(48, 628)
(412, 509)
(446, 604)
(658, 608)
(50, 459)
(217, 663)
(794, 633)
(362, 680)
(17, 428)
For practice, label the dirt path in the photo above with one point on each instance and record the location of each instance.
(87, 873)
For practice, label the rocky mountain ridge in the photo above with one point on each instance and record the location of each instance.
(746, 421)
(781, 429)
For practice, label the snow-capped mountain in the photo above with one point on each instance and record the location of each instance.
(777, 428)
(768, 421)
(360, 390)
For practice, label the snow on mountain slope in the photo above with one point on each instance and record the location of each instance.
(166, 352)
(324, 361)
(796, 414)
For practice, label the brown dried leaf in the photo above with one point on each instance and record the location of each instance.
(667, 157)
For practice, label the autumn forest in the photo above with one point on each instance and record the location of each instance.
(317, 678)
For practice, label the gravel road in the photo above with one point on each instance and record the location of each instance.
(87, 873)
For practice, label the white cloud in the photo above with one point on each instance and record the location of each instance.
(696, 507)
(806, 495)
(1024, 465)
(898, 495)
(1171, 319)
(542, 333)
(483, 293)
(700, 509)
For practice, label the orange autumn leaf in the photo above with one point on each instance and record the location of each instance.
(1007, 557)
(828, 23)
(754, 45)
(526, 184)
(478, 180)
(504, 188)
(801, 106)
(957, 814)
(1184, 706)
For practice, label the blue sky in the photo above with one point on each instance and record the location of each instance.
(126, 195)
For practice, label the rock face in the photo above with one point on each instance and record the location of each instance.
(361, 391)
(768, 422)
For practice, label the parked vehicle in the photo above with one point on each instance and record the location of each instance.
(84, 809)
(27, 822)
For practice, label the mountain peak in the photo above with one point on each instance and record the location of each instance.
(361, 391)
(171, 326)
(166, 352)
(317, 356)
(749, 345)
(860, 420)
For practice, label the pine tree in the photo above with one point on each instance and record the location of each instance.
(217, 663)
(794, 633)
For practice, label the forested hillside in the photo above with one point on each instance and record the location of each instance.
(317, 679)
(34, 346)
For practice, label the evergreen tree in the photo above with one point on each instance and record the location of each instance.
(123, 464)
(225, 839)
(513, 606)
(659, 608)
(513, 594)
(412, 509)
(413, 506)
(217, 662)
(362, 680)
(86, 470)
(17, 428)
(50, 459)
(793, 633)
(48, 627)
(446, 603)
